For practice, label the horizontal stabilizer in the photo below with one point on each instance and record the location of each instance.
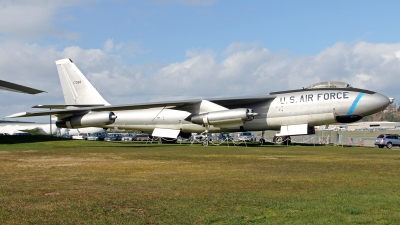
(21, 114)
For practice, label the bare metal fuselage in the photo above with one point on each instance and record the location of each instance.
(306, 106)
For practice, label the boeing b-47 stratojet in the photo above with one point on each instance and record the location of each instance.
(293, 112)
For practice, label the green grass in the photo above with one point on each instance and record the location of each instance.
(52, 181)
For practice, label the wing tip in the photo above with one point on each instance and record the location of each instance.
(21, 114)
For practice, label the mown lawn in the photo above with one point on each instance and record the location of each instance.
(83, 182)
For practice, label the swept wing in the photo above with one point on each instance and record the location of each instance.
(185, 105)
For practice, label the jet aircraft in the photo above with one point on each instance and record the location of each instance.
(292, 112)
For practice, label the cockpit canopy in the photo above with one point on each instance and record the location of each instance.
(330, 84)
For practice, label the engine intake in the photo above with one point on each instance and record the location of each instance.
(225, 118)
(93, 119)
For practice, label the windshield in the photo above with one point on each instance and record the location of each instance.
(330, 84)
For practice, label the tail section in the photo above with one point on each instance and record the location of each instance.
(76, 88)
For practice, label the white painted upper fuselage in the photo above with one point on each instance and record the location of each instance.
(312, 107)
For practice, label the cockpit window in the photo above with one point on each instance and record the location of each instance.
(330, 84)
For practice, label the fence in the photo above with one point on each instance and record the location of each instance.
(344, 138)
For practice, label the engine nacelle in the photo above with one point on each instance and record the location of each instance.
(225, 118)
(93, 119)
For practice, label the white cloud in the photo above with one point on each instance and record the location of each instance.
(364, 65)
(361, 80)
(240, 47)
(397, 54)
(32, 19)
(108, 45)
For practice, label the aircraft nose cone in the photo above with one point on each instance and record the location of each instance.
(373, 103)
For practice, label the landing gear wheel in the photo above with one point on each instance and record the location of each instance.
(261, 141)
(278, 140)
(282, 140)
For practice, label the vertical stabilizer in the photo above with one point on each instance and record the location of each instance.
(76, 88)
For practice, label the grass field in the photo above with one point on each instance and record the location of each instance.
(83, 182)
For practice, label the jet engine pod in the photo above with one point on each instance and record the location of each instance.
(92, 119)
(225, 118)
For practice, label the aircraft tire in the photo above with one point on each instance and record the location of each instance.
(282, 140)
(278, 140)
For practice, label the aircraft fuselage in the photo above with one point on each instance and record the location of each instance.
(304, 106)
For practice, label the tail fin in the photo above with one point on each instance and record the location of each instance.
(76, 88)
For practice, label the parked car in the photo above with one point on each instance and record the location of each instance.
(201, 137)
(225, 137)
(96, 136)
(129, 137)
(388, 140)
(81, 136)
(247, 136)
(113, 137)
(143, 136)
(180, 139)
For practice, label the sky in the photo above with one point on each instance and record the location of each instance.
(155, 50)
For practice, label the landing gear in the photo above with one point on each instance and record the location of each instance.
(262, 140)
(282, 140)
(205, 139)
